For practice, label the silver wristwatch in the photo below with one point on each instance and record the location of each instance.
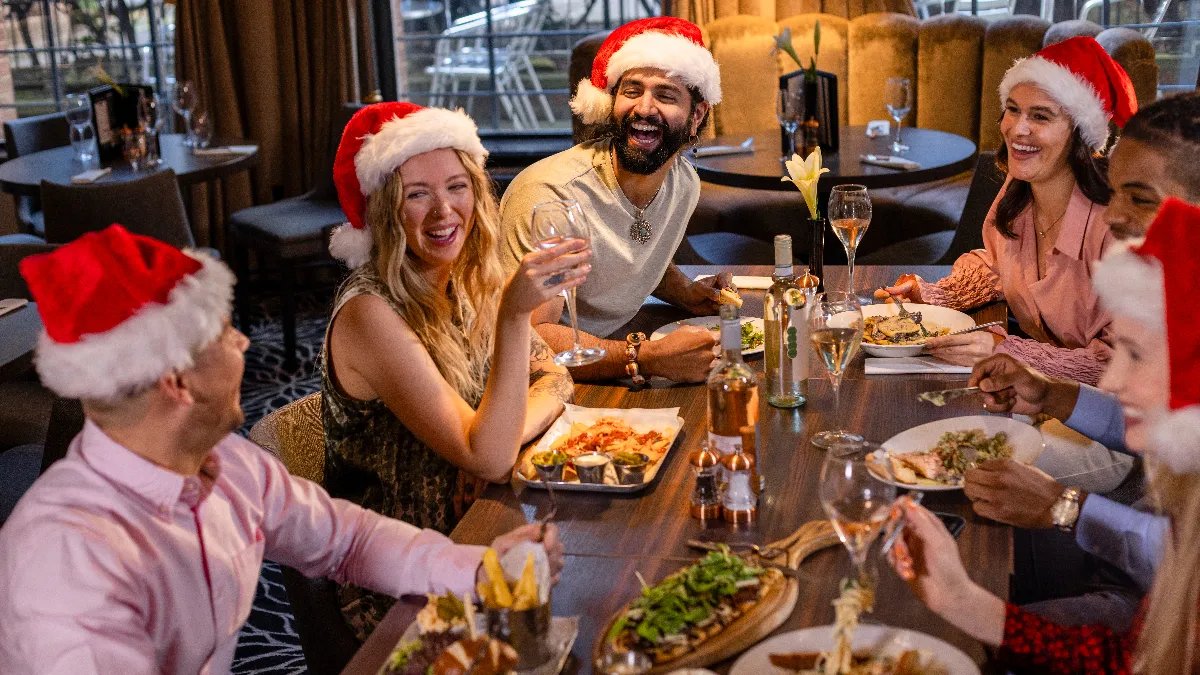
(1065, 511)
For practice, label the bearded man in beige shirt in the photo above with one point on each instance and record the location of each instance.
(651, 88)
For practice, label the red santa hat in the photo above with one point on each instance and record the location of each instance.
(663, 42)
(120, 310)
(1156, 281)
(377, 140)
(1085, 81)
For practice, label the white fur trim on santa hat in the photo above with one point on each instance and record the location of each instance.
(1072, 92)
(677, 55)
(1175, 440)
(591, 104)
(351, 245)
(1131, 285)
(157, 339)
(400, 139)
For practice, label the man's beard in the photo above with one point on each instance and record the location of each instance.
(636, 160)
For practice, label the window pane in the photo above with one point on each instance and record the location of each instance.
(24, 55)
(509, 69)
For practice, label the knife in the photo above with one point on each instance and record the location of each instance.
(939, 398)
(786, 571)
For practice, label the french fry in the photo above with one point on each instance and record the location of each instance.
(525, 593)
(501, 596)
(485, 593)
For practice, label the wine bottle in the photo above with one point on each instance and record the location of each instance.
(785, 314)
(732, 390)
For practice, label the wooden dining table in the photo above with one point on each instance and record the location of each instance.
(608, 538)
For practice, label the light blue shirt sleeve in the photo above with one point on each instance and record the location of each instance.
(1100, 417)
(1130, 539)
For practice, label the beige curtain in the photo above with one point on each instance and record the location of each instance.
(274, 72)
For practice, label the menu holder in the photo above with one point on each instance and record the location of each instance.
(113, 110)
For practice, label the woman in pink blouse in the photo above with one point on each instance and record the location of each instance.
(1046, 230)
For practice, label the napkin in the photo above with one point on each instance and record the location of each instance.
(90, 176)
(889, 161)
(876, 128)
(224, 150)
(748, 283)
(513, 564)
(11, 305)
(911, 364)
(715, 150)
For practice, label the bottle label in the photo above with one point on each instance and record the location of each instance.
(731, 336)
(782, 271)
(724, 445)
(797, 341)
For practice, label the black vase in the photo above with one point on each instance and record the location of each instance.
(816, 249)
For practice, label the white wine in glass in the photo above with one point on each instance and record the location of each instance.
(850, 216)
(556, 223)
(836, 324)
(856, 501)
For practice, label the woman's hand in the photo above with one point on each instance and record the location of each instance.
(554, 547)
(545, 273)
(963, 350)
(907, 289)
(926, 556)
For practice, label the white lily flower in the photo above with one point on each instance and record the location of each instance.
(805, 174)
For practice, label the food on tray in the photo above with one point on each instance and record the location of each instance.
(475, 655)
(752, 337)
(955, 452)
(730, 296)
(495, 592)
(549, 458)
(449, 644)
(630, 459)
(612, 436)
(898, 330)
(442, 613)
(678, 614)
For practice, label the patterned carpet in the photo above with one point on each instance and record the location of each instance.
(268, 644)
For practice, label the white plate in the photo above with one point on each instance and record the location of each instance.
(709, 322)
(942, 316)
(1026, 441)
(884, 640)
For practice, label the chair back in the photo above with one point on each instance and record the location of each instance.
(12, 284)
(881, 46)
(580, 68)
(949, 72)
(66, 421)
(150, 206)
(294, 433)
(27, 135)
(743, 47)
(324, 189)
(985, 186)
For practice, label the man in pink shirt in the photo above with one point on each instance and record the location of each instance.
(140, 551)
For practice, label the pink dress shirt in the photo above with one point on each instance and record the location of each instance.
(1061, 312)
(113, 565)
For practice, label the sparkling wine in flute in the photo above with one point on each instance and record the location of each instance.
(837, 347)
(850, 231)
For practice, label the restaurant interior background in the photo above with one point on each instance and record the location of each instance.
(507, 63)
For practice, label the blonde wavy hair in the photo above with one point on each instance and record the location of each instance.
(1168, 639)
(456, 329)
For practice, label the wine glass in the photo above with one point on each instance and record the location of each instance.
(789, 110)
(555, 223)
(202, 130)
(151, 121)
(836, 324)
(183, 101)
(850, 215)
(898, 95)
(78, 109)
(856, 500)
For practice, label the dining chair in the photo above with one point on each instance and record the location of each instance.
(294, 433)
(25, 136)
(73, 210)
(286, 236)
(24, 403)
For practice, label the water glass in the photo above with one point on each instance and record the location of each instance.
(836, 329)
(898, 96)
(183, 102)
(789, 110)
(552, 224)
(78, 109)
(850, 216)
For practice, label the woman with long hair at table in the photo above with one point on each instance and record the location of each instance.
(432, 378)
(1046, 229)
(1155, 373)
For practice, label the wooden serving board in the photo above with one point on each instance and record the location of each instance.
(757, 623)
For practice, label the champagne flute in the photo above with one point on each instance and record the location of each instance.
(789, 110)
(555, 223)
(849, 216)
(183, 101)
(856, 501)
(898, 95)
(837, 328)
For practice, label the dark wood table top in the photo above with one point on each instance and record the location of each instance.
(24, 175)
(939, 153)
(19, 332)
(608, 538)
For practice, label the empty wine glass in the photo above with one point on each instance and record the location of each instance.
(789, 110)
(850, 215)
(183, 101)
(78, 109)
(856, 501)
(555, 223)
(202, 130)
(150, 119)
(898, 96)
(836, 323)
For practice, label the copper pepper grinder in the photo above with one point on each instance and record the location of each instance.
(705, 503)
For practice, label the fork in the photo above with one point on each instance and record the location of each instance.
(905, 314)
(545, 520)
(891, 539)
